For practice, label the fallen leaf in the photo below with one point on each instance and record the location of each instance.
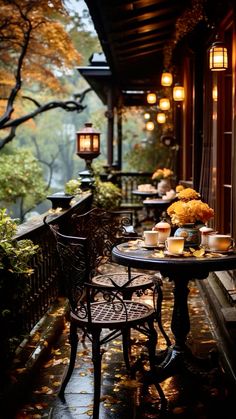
(199, 253)
(44, 390)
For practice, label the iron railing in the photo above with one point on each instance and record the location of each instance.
(42, 288)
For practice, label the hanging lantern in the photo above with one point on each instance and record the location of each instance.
(218, 57)
(149, 126)
(151, 98)
(147, 115)
(166, 78)
(161, 117)
(178, 93)
(164, 104)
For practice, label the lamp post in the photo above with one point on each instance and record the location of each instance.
(88, 148)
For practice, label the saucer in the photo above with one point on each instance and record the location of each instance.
(149, 246)
(223, 252)
(167, 253)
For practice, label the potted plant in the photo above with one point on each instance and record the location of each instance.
(63, 199)
(14, 270)
(106, 195)
(188, 213)
(163, 176)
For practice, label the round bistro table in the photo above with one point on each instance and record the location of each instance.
(144, 195)
(158, 205)
(180, 270)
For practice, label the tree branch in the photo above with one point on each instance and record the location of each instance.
(69, 106)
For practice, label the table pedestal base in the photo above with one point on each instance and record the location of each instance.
(178, 360)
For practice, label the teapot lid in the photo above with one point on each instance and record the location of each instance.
(163, 224)
(205, 229)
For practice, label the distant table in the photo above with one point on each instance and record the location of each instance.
(180, 270)
(143, 195)
(158, 205)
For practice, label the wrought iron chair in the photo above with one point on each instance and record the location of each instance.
(100, 320)
(105, 229)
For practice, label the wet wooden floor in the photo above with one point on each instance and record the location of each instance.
(189, 397)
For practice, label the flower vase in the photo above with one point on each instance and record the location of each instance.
(190, 233)
(163, 186)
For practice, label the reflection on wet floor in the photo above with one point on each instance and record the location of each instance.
(189, 395)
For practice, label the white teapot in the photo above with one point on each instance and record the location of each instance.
(164, 229)
(205, 231)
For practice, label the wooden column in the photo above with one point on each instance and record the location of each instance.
(110, 127)
(119, 137)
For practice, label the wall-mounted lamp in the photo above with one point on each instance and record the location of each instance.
(151, 98)
(161, 117)
(164, 104)
(147, 116)
(88, 147)
(178, 93)
(149, 126)
(218, 56)
(166, 78)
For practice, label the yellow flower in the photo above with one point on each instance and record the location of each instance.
(162, 174)
(188, 194)
(182, 212)
(179, 188)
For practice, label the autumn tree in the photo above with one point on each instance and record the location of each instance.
(35, 50)
(21, 181)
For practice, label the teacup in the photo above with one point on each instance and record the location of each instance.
(150, 237)
(220, 242)
(175, 244)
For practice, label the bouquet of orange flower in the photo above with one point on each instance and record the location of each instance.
(188, 194)
(162, 174)
(192, 211)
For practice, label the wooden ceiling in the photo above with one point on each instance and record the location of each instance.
(133, 34)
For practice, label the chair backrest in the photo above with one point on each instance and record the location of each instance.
(103, 229)
(73, 256)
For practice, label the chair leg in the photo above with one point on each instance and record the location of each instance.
(73, 352)
(158, 291)
(126, 336)
(97, 360)
(152, 342)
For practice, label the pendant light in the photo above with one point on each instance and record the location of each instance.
(218, 56)
(161, 117)
(166, 78)
(149, 126)
(151, 98)
(164, 104)
(178, 93)
(147, 115)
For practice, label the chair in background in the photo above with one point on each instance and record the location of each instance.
(100, 320)
(105, 229)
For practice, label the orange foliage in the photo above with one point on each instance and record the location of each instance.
(49, 50)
